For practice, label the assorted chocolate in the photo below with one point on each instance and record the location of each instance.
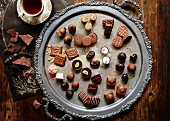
(122, 37)
(27, 39)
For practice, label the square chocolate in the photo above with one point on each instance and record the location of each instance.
(55, 50)
(72, 53)
(121, 90)
(60, 60)
(111, 81)
(92, 88)
(97, 79)
(109, 97)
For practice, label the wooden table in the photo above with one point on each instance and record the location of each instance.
(154, 105)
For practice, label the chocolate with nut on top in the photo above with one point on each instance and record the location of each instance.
(86, 73)
(77, 65)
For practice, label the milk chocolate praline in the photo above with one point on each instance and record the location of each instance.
(77, 65)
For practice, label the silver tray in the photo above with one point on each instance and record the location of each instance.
(139, 44)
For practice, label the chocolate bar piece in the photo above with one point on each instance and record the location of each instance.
(14, 39)
(97, 79)
(26, 38)
(11, 48)
(23, 61)
(59, 60)
(12, 32)
(25, 52)
(55, 50)
(109, 97)
(72, 53)
(121, 90)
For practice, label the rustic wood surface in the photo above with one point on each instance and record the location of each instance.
(154, 105)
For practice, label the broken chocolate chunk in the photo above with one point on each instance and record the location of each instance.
(12, 32)
(25, 52)
(27, 74)
(60, 60)
(26, 38)
(23, 61)
(55, 50)
(11, 48)
(72, 53)
(14, 39)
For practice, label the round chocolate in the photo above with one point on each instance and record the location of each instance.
(75, 85)
(93, 37)
(133, 58)
(64, 85)
(125, 78)
(120, 67)
(131, 67)
(90, 55)
(78, 39)
(121, 57)
(87, 41)
(62, 31)
(95, 63)
(67, 39)
(69, 94)
(72, 28)
(86, 73)
(70, 76)
(77, 65)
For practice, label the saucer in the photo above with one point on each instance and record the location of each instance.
(34, 20)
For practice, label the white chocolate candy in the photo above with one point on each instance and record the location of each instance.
(106, 60)
(59, 76)
(104, 50)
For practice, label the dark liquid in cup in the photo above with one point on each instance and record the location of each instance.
(32, 6)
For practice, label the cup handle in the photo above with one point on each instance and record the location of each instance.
(20, 15)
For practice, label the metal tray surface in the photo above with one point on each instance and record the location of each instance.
(139, 44)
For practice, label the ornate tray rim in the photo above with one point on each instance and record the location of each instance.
(147, 42)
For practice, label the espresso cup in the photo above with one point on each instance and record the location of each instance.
(32, 7)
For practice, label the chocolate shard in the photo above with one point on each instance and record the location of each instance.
(11, 49)
(26, 74)
(25, 52)
(14, 39)
(23, 61)
(15, 70)
(11, 58)
(26, 38)
(12, 33)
